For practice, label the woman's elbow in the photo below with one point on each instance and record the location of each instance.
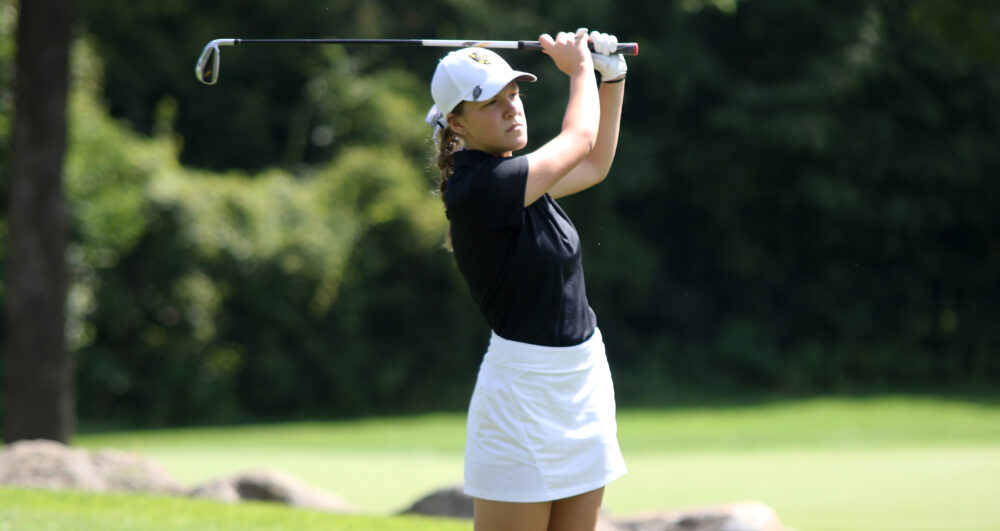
(585, 138)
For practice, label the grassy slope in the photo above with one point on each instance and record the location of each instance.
(80, 511)
(379, 465)
(826, 464)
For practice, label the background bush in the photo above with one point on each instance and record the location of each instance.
(803, 201)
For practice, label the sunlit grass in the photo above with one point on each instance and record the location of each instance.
(940, 488)
(379, 465)
(833, 464)
(82, 511)
(815, 423)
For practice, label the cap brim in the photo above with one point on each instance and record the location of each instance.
(493, 86)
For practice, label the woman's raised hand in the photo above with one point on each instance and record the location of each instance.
(610, 64)
(569, 51)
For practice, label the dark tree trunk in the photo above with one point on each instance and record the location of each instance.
(38, 372)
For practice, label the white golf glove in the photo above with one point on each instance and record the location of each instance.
(611, 65)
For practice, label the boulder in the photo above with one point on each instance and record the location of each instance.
(50, 464)
(449, 501)
(271, 486)
(741, 516)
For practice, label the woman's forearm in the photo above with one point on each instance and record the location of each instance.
(611, 97)
(583, 110)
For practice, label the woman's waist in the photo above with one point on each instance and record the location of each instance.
(542, 358)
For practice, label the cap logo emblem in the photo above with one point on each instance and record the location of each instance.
(479, 58)
(476, 92)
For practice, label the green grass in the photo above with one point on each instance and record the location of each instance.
(379, 465)
(885, 421)
(80, 511)
(888, 463)
(832, 464)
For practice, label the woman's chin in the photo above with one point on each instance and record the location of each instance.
(522, 141)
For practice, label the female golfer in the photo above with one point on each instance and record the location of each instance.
(542, 437)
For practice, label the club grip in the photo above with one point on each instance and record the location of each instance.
(624, 48)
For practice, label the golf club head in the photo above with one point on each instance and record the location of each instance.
(207, 68)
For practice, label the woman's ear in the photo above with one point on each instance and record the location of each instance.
(456, 125)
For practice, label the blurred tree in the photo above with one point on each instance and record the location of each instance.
(195, 290)
(38, 373)
(269, 108)
(802, 201)
(971, 28)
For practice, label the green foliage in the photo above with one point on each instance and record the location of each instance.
(802, 201)
(818, 177)
(196, 290)
(970, 28)
(277, 105)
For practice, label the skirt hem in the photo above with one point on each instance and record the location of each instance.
(546, 496)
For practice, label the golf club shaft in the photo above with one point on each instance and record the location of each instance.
(627, 48)
(207, 67)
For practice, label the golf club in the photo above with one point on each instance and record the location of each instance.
(207, 68)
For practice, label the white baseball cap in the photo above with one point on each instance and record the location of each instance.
(471, 74)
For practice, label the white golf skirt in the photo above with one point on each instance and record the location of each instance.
(541, 423)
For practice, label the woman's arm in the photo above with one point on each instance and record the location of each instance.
(580, 128)
(595, 166)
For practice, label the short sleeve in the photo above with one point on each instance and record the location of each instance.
(498, 191)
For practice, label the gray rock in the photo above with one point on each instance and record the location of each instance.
(450, 501)
(47, 464)
(125, 472)
(742, 516)
(271, 486)
(53, 465)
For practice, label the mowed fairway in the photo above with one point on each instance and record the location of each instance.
(36, 509)
(832, 464)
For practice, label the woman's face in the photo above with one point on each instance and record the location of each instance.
(496, 126)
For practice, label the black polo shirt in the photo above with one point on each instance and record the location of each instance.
(523, 265)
